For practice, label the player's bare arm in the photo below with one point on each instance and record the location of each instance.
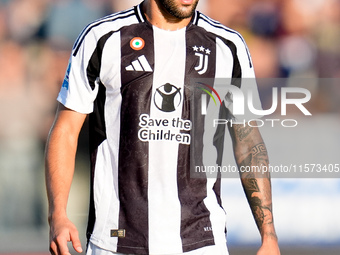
(250, 150)
(59, 168)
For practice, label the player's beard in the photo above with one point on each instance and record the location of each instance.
(177, 11)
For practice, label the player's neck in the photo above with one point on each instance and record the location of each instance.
(162, 19)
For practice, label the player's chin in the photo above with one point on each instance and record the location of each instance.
(186, 12)
(189, 6)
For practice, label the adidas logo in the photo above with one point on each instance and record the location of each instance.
(140, 65)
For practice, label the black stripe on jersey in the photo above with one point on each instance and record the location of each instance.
(196, 18)
(195, 217)
(219, 25)
(92, 210)
(139, 13)
(217, 190)
(94, 65)
(136, 92)
(111, 18)
(96, 120)
(220, 134)
(145, 32)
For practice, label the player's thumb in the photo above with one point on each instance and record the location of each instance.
(76, 242)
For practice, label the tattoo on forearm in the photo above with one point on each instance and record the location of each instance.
(258, 149)
(242, 132)
(258, 195)
(262, 213)
(258, 157)
(257, 210)
(252, 185)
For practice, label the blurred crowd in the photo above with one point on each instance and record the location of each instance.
(286, 38)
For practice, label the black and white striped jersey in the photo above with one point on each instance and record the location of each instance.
(134, 81)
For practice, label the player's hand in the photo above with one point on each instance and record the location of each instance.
(61, 232)
(269, 248)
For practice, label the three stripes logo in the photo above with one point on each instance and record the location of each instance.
(204, 102)
(139, 65)
(203, 55)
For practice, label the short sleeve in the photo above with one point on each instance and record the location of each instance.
(80, 85)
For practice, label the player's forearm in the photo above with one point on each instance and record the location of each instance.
(251, 156)
(59, 167)
(257, 187)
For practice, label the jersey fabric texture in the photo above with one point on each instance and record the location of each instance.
(134, 81)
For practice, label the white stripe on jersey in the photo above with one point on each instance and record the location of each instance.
(164, 205)
(104, 184)
(106, 197)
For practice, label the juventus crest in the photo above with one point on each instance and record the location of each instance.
(203, 55)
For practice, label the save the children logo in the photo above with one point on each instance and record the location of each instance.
(167, 98)
(170, 127)
(173, 129)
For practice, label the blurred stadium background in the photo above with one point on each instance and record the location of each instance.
(287, 39)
